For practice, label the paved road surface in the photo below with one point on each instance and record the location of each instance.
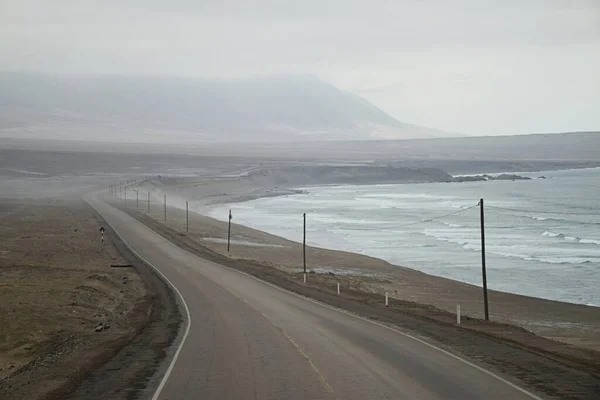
(250, 340)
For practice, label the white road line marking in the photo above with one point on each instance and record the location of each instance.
(328, 388)
(291, 340)
(187, 310)
(490, 373)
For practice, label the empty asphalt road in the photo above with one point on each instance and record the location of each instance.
(245, 339)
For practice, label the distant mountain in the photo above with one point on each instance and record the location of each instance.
(138, 109)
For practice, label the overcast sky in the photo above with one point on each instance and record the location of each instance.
(475, 67)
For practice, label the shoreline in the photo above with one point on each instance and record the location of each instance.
(241, 190)
(570, 323)
(391, 264)
(238, 193)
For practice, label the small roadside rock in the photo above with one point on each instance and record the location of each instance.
(99, 328)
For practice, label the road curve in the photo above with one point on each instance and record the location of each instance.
(247, 339)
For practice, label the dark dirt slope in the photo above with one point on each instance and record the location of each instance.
(68, 312)
(328, 174)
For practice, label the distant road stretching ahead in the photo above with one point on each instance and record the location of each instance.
(250, 340)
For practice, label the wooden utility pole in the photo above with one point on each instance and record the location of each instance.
(148, 202)
(229, 231)
(304, 244)
(137, 199)
(483, 269)
(165, 206)
(187, 217)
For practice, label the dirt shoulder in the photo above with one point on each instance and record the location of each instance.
(557, 369)
(69, 312)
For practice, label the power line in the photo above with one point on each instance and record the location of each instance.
(433, 219)
(280, 222)
(538, 212)
(299, 218)
(291, 220)
(386, 227)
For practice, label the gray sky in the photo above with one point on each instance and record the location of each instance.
(475, 67)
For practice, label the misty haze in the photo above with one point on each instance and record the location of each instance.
(292, 200)
(134, 109)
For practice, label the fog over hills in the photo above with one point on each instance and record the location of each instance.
(177, 110)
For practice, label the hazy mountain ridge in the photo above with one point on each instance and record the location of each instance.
(280, 108)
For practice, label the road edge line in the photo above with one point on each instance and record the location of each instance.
(340, 310)
(165, 378)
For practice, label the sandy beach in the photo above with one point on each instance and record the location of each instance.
(563, 322)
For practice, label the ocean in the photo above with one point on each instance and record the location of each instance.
(542, 235)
